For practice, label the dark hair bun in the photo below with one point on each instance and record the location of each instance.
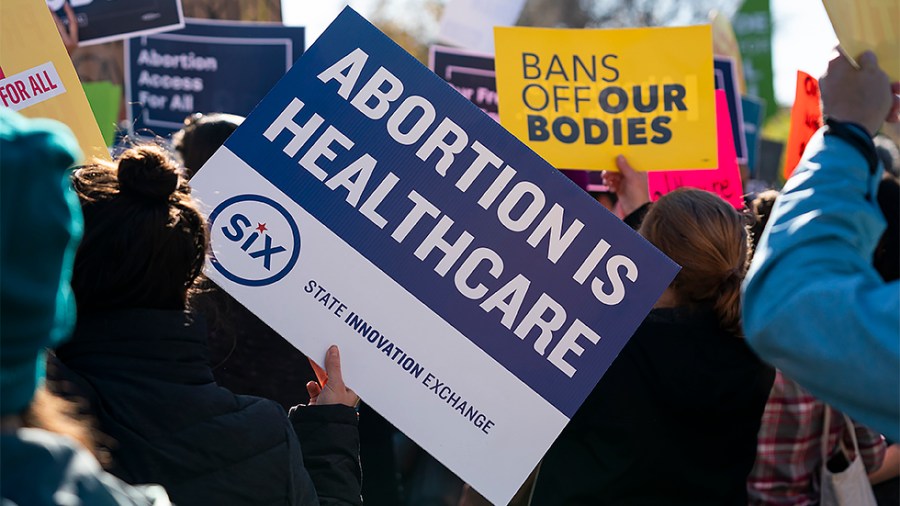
(147, 171)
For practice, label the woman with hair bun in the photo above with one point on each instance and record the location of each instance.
(674, 419)
(140, 359)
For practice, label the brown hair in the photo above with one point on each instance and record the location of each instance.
(708, 238)
(52, 413)
(144, 239)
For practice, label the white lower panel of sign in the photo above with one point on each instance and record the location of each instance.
(493, 441)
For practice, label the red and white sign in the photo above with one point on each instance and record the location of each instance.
(30, 87)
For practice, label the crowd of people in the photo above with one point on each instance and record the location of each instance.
(770, 364)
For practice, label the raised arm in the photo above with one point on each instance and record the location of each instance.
(813, 304)
(329, 436)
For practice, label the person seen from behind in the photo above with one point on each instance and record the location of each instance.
(48, 453)
(140, 358)
(201, 136)
(674, 419)
(247, 356)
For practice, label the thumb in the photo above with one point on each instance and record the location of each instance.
(313, 389)
(624, 167)
(867, 60)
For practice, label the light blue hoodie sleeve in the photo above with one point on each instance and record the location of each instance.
(813, 304)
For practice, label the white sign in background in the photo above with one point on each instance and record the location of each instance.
(470, 23)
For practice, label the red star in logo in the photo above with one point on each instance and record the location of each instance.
(262, 227)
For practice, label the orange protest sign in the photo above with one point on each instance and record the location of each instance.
(37, 78)
(806, 118)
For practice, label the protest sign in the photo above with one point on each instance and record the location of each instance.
(470, 23)
(105, 99)
(725, 44)
(469, 285)
(38, 79)
(770, 158)
(806, 118)
(472, 74)
(580, 98)
(868, 25)
(105, 21)
(724, 181)
(753, 110)
(753, 27)
(209, 66)
(725, 71)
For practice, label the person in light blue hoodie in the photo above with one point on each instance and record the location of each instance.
(814, 306)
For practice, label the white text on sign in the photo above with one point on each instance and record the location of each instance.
(356, 174)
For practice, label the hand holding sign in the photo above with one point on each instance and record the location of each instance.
(331, 388)
(862, 96)
(868, 25)
(628, 184)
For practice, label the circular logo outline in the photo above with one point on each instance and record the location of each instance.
(295, 232)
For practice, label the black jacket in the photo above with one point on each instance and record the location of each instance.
(146, 376)
(672, 422)
(246, 355)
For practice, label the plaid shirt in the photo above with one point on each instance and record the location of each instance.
(789, 455)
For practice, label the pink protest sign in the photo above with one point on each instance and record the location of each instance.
(724, 181)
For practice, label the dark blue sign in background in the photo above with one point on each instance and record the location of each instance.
(249, 59)
(726, 80)
(106, 20)
(615, 324)
(754, 110)
(473, 75)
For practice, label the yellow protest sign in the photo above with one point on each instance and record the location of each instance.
(579, 98)
(864, 25)
(37, 78)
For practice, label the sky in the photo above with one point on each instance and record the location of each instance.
(802, 40)
(802, 36)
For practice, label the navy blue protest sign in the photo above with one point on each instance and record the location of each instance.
(108, 20)
(209, 66)
(471, 74)
(468, 283)
(754, 110)
(726, 72)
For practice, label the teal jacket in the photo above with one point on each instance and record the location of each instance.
(39, 468)
(814, 306)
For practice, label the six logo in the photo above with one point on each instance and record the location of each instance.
(255, 241)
